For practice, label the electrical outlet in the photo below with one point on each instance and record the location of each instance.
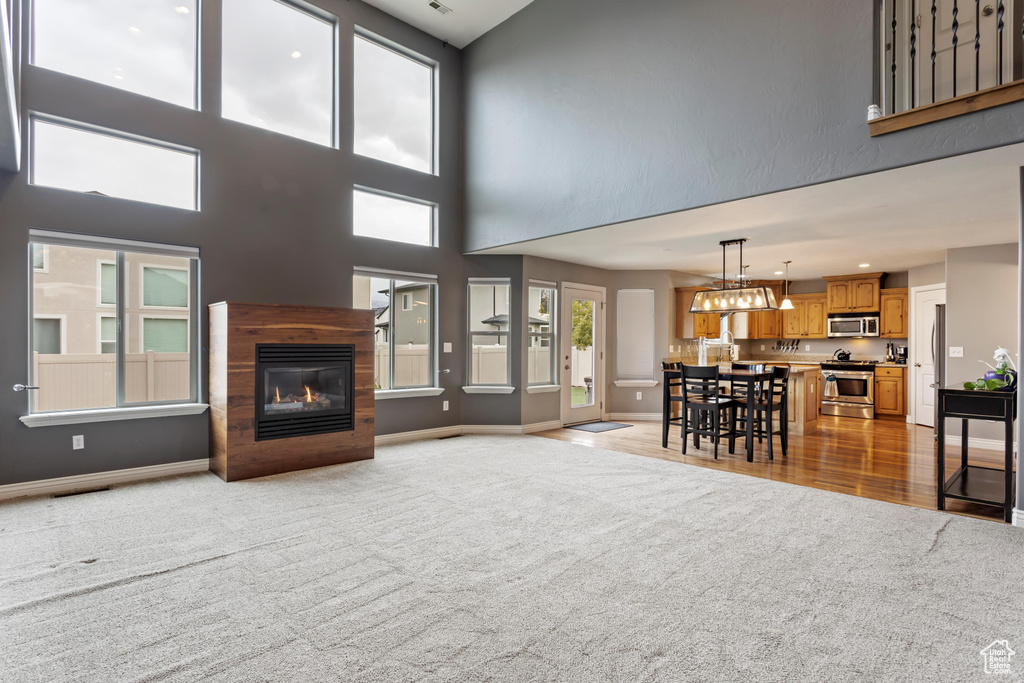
(78, 442)
(444, 405)
(447, 349)
(956, 352)
(762, 347)
(671, 348)
(807, 347)
(639, 395)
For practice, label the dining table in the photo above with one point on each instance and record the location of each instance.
(751, 378)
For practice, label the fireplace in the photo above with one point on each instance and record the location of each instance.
(303, 389)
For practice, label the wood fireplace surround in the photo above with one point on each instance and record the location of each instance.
(237, 332)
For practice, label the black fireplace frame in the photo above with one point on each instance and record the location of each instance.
(290, 425)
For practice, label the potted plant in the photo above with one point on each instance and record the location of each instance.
(1002, 377)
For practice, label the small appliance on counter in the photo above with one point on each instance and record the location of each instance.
(890, 352)
(901, 354)
(841, 355)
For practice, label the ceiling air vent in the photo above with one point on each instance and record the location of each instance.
(439, 7)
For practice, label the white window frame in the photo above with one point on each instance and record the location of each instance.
(406, 301)
(142, 288)
(99, 283)
(123, 409)
(143, 317)
(509, 385)
(99, 332)
(63, 318)
(435, 70)
(552, 336)
(46, 259)
(434, 389)
(34, 116)
(412, 200)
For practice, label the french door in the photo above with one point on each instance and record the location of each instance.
(582, 353)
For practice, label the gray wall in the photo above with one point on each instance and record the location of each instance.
(581, 113)
(271, 205)
(981, 314)
(934, 274)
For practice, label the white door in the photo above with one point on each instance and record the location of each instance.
(922, 359)
(582, 353)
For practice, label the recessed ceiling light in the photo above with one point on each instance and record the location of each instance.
(296, 54)
(181, 9)
(865, 265)
(135, 29)
(433, 4)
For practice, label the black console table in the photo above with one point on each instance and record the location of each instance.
(984, 485)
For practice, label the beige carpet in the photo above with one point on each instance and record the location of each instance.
(499, 559)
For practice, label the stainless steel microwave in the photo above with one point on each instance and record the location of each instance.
(853, 325)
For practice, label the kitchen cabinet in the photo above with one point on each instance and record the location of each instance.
(890, 391)
(694, 325)
(854, 293)
(895, 314)
(768, 324)
(807, 319)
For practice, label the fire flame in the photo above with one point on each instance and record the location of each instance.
(309, 398)
(277, 395)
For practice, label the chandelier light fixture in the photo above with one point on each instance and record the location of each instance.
(787, 305)
(731, 296)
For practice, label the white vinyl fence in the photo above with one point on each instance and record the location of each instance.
(582, 365)
(489, 365)
(80, 381)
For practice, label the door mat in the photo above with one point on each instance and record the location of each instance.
(599, 426)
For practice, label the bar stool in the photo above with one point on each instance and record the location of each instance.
(771, 402)
(703, 404)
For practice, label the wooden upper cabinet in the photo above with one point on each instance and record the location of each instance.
(895, 323)
(854, 293)
(807, 319)
(694, 325)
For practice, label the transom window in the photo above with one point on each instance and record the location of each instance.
(394, 105)
(542, 349)
(403, 335)
(279, 68)
(489, 329)
(96, 342)
(143, 46)
(69, 156)
(386, 217)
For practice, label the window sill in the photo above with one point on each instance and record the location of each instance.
(385, 394)
(965, 104)
(543, 389)
(488, 390)
(74, 417)
(636, 382)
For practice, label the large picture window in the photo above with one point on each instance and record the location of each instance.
(385, 217)
(72, 157)
(403, 320)
(278, 68)
(489, 331)
(394, 105)
(541, 345)
(97, 344)
(143, 46)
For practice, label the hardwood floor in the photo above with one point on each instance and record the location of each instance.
(879, 459)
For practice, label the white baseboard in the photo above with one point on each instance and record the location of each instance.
(101, 479)
(1018, 517)
(634, 417)
(542, 426)
(973, 442)
(419, 435)
(492, 429)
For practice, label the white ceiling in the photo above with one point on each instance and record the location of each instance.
(468, 20)
(892, 220)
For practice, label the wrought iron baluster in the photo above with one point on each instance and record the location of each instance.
(913, 52)
(892, 57)
(977, 44)
(999, 39)
(956, 41)
(934, 11)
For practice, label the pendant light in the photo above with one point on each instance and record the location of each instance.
(731, 297)
(787, 305)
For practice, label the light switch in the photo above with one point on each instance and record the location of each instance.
(447, 347)
(444, 405)
(956, 352)
(807, 347)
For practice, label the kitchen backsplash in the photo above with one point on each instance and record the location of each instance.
(861, 349)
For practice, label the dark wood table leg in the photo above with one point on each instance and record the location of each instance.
(750, 420)
(940, 461)
(1008, 477)
(666, 410)
(964, 438)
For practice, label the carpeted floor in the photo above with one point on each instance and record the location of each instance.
(499, 559)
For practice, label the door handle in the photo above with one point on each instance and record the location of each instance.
(567, 367)
(917, 365)
(22, 387)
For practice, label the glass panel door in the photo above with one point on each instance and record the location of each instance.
(582, 355)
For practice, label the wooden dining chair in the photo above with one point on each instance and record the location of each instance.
(739, 391)
(703, 406)
(773, 400)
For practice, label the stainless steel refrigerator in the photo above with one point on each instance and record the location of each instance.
(938, 355)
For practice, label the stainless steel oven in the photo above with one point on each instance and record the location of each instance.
(853, 325)
(848, 390)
